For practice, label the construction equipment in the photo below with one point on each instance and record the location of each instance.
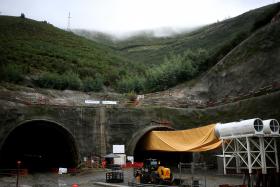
(115, 175)
(153, 172)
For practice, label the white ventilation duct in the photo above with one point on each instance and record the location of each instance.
(244, 127)
(271, 126)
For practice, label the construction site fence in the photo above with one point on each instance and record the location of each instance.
(144, 185)
(97, 164)
(194, 167)
(194, 183)
(92, 164)
(133, 165)
(69, 170)
(13, 172)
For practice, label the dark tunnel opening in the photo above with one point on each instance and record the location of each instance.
(168, 159)
(40, 146)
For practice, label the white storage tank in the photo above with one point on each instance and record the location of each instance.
(244, 127)
(271, 126)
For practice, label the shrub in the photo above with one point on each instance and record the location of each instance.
(51, 80)
(68, 80)
(72, 80)
(131, 84)
(174, 69)
(90, 84)
(132, 96)
(11, 73)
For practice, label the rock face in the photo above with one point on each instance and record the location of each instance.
(251, 65)
(93, 130)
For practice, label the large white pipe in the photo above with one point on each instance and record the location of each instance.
(271, 126)
(244, 127)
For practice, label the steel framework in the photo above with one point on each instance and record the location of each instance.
(250, 152)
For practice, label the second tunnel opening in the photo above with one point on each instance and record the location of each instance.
(40, 146)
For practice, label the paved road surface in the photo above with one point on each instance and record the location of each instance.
(88, 178)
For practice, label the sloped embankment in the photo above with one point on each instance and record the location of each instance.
(253, 64)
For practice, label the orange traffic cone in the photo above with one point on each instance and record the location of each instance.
(75, 185)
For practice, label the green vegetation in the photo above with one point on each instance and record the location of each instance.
(68, 80)
(218, 38)
(11, 73)
(174, 69)
(53, 58)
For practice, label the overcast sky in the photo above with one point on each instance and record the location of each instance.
(129, 15)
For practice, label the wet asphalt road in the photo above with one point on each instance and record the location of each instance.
(83, 179)
(88, 178)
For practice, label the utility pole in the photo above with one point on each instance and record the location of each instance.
(68, 24)
(18, 170)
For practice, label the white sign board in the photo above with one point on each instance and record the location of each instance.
(118, 148)
(92, 102)
(109, 102)
(140, 97)
(121, 160)
(130, 159)
(62, 171)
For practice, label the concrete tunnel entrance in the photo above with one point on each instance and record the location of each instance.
(39, 145)
(170, 159)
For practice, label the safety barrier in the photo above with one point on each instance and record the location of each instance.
(133, 165)
(69, 170)
(13, 172)
(145, 185)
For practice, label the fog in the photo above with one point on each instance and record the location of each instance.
(125, 17)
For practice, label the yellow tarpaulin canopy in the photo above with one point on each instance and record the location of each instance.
(191, 140)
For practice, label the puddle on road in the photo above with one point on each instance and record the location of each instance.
(61, 183)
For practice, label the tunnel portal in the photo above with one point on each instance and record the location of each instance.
(170, 159)
(39, 145)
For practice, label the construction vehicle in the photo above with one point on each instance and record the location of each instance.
(153, 173)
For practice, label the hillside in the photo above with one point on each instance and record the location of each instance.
(218, 38)
(252, 65)
(203, 48)
(37, 54)
(251, 69)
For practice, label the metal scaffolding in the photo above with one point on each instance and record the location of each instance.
(250, 152)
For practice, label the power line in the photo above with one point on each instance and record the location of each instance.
(68, 24)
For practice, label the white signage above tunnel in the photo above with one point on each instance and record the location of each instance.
(118, 149)
(95, 102)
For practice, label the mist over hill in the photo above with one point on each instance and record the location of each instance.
(115, 37)
(37, 54)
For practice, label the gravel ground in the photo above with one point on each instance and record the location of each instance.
(88, 178)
